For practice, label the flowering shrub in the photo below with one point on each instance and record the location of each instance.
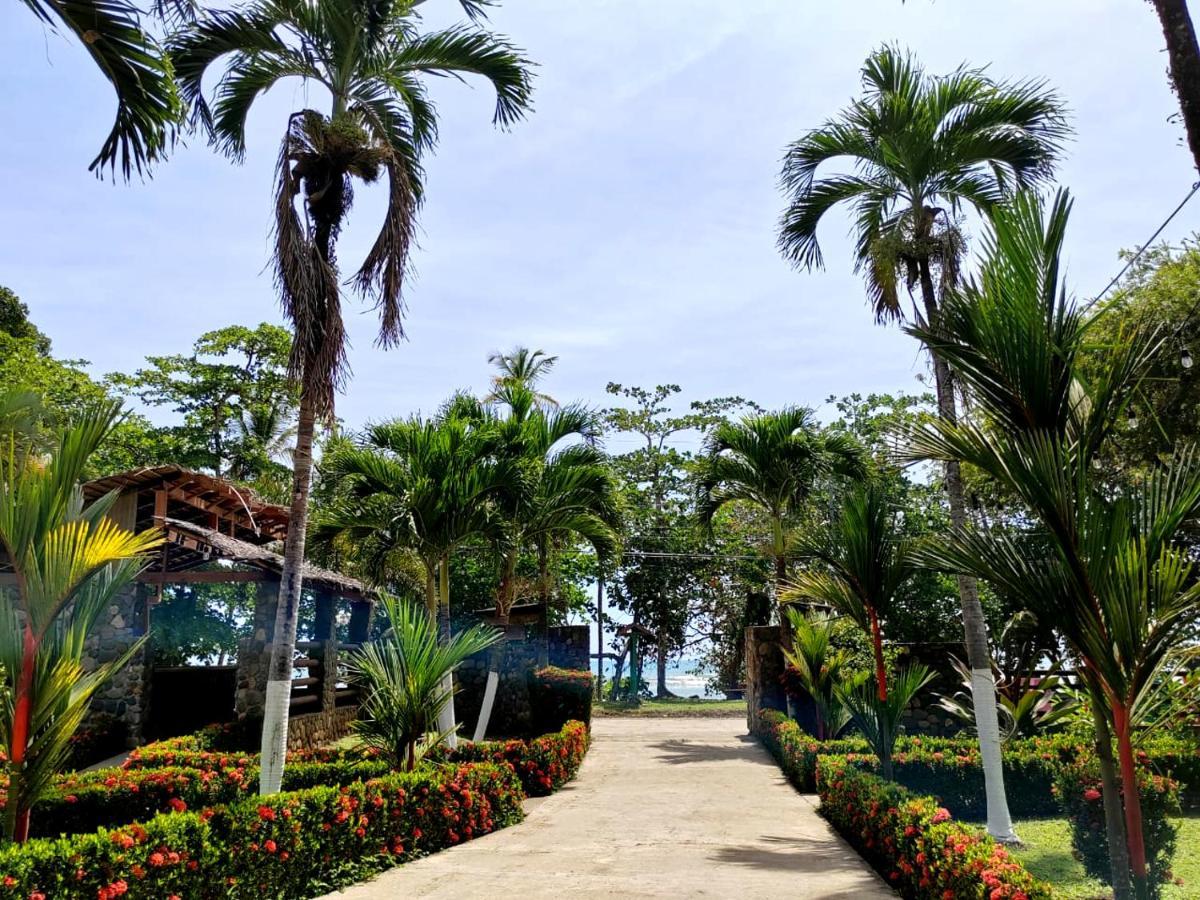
(797, 751)
(544, 764)
(109, 797)
(915, 844)
(1078, 792)
(292, 844)
(560, 696)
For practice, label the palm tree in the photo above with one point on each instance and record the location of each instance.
(1110, 569)
(422, 487)
(149, 110)
(772, 461)
(879, 717)
(522, 367)
(69, 562)
(863, 561)
(405, 673)
(819, 667)
(1183, 54)
(923, 150)
(370, 56)
(570, 494)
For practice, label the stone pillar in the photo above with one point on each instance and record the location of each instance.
(764, 666)
(254, 653)
(327, 672)
(126, 695)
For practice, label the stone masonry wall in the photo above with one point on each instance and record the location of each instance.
(764, 666)
(312, 730)
(126, 695)
(513, 712)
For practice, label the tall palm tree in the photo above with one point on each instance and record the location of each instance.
(422, 487)
(149, 110)
(1111, 570)
(772, 461)
(570, 495)
(923, 150)
(370, 56)
(522, 367)
(1183, 55)
(69, 562)
(862, 562)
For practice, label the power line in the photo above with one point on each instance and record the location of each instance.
(1167, 221)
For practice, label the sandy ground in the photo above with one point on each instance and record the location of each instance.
(661, 808)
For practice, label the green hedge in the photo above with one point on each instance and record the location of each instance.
(914, 843)
(111, 797)
(162, 778)
(950, 768)
(544, 764)
(289, 845)
(559, 696)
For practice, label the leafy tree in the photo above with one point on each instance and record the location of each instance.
(1160, 289)
(878, 717)
(200, 622)
(228, 389)
(371, 58)
(149, 110)
(14, 321)
(1108, 570)
(70, 562)
(664, 571)
(923, 149)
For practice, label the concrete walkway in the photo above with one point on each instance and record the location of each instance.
(661, 808)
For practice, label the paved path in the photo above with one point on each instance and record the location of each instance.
(661, 808)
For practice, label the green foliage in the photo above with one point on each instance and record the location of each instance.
(235, 399)
(404, 676)
(1027, 705)
(1159, 290)
(544, 764)
(1078, 792)
(559, 696)
(202, 622)
(878, 718)
(14, 321)
(914, 843)
(819, 668)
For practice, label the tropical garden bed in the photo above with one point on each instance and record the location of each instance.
(183, 819)
(682, 707)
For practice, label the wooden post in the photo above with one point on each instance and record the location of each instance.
(360, 620)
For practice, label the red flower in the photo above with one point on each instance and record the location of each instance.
(269, 845)
(1091, 795)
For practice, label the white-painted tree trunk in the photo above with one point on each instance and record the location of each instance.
(983, 693)
(446, 718)
(275, 727)
(489, 701)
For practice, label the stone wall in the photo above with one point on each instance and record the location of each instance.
(923, 715)
(312, 730)
(513, 712)
(254, 654)
(126, 695)
(764, 666)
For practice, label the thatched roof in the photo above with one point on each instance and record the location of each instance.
(212, 544)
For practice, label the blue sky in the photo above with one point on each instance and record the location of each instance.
(627, 225)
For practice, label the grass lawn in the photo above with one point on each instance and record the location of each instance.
(673, 707)
(1047, 854)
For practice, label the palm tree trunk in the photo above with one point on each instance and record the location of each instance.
(1114, 824)
(983, 683)
(1183, 53)
(283, 648)
(446, 721)
(17, 814)
(877, 644)
(1133, 802)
